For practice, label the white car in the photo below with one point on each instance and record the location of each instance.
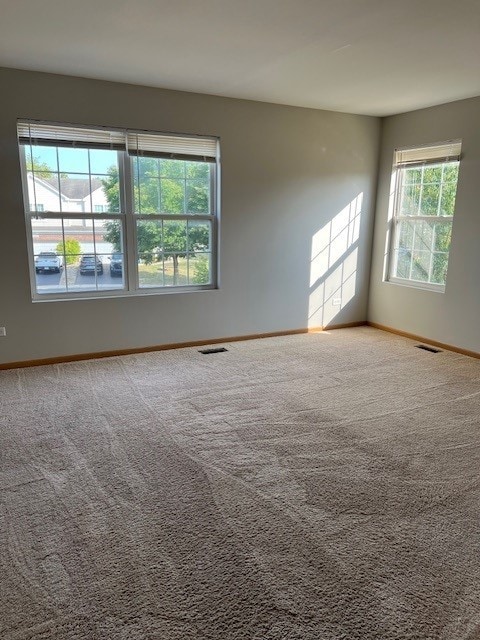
(48, 262)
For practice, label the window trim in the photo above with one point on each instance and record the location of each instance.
(395, 218)
(129, 218)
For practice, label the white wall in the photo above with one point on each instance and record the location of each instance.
(292, 180)
(451, 317)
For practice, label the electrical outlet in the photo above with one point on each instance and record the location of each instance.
(336, 302)
(3, 332)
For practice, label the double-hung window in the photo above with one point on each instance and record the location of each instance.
(118, 212)
(425, 186)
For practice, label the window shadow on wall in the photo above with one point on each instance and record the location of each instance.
(333, 265)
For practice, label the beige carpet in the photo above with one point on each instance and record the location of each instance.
(314, 487)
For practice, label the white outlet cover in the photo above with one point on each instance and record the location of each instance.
(3, 331)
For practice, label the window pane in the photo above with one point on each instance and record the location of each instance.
(105, 193)
(449, 189)
(175, 236)
(150, 270)
(172, 168)
(109, 249)
(117, 267)
(43, 191)
(85, 193)
(430, 199)
(73, 160)
(405, 234)
(423, 237)
(72, 186)
(172, 196)
(40, 158)
(439, 269)
(79, 241)
(412, 176)
(163, 270)
(199, 268)
(403, 262)
(199, 236)
(149, 239)
(198, 170)
(443, 236)
(109, 193)
(410, 200)
(103, 161)
(197, 196)
(75, 192)
(423, 246)
(420, 265)
(175, 269)
(146, 185)
(48, 256)
(148, 196)
(89, 248)
(432, 174)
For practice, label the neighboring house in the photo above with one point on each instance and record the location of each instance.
(73, 195)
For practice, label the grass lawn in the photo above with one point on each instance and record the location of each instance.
(158, 274)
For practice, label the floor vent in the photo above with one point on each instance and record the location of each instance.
(426, 348)
(208, 351)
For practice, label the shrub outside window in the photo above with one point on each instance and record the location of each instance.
(118, 212)
(425, 181)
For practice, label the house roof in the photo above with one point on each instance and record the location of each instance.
(74, 188)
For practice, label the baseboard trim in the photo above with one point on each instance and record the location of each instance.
(345, 325)
(434, 343)
(166, 347)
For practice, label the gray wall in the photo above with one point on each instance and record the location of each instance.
(287, 176)
(452, 317)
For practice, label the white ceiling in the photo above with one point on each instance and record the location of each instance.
(375, 57)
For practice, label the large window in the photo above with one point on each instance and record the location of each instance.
(118, 212)
(425, 185)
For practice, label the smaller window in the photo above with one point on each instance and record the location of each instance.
(425, 180)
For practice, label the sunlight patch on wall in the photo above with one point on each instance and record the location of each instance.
(333, 266)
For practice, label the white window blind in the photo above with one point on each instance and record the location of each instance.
(137, 143)
(37, 133)
(444, 152)
(194, 148)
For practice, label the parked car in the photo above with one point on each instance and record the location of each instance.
(89, 263)
(48, 262)
(116, 265)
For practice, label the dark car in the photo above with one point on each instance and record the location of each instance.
(116, 265)
(90, 263)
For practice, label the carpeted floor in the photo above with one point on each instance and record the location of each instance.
(313, 487)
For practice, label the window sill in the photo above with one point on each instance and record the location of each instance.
(415, 284)
(104, 295)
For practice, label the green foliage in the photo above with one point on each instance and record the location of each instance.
(33, 164)
(427, 191)
(201, 274)
(111, 188)
(163, 186)
(170, 186)
(71, 248)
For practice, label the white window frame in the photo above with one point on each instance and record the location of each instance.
(416, 157)
(128, 219)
